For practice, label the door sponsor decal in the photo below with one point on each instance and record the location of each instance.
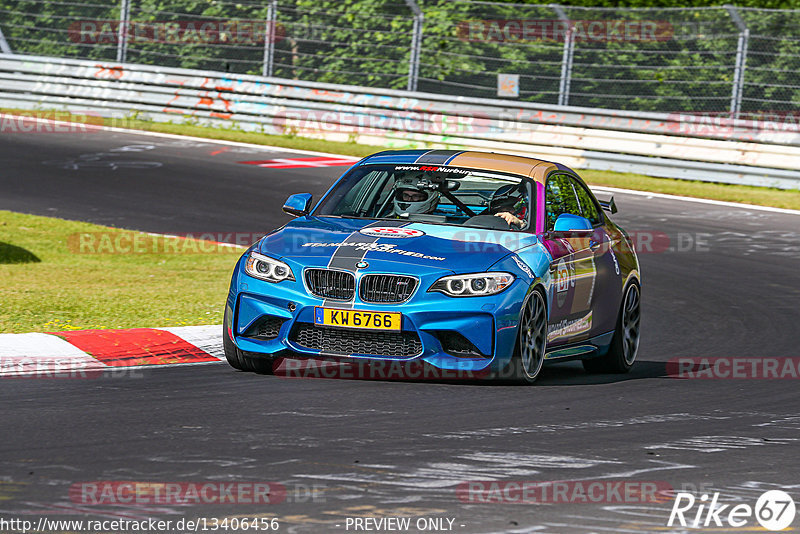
(563, 279)
(569, 327)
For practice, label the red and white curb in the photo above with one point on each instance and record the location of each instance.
(80, 352)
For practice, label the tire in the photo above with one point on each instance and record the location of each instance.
(232, 352)
(260, 364)
(528, 359)
(242, 361)
(621, 354)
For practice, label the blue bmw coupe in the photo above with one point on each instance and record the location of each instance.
(481, 263)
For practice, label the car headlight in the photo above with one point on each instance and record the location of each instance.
(473, 285)
(265, 268)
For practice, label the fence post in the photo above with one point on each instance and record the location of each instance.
(4, 48)
(269, 38)
(416, 44)
(122, 31)
(566, 57)
(741, 61)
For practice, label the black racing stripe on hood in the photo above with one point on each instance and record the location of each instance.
(346, 257)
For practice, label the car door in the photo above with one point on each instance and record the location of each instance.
(572, 267)
(607, 286)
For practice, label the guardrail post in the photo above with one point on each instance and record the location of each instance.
(566, 57)
(122, 31)
(416, 44)
(4, 48)
(269, 38)
(741, 61)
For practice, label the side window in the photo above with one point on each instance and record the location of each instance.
(359, 199)
(559, 198)
(588, 205)
(382, 201)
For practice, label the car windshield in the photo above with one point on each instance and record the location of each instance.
(432, 194)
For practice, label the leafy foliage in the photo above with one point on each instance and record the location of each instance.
(688, 66)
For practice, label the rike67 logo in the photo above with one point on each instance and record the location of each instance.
(774, 510)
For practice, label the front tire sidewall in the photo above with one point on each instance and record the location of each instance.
(241, 361)
(531, 339)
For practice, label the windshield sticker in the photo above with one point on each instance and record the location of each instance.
(377, 247)
(392, 232)
(452, 170)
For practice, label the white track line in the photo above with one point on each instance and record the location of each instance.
(693, 199)
(230, 143)
(270, 148)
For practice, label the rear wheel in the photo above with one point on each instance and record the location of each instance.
(532, 340)
(625, 344)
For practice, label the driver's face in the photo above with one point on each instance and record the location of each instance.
(410, 195)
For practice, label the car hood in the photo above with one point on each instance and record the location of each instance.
(314, 241)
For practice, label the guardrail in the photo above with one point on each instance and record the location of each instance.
(674, 146)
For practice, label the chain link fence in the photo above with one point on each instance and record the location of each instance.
(726, 61)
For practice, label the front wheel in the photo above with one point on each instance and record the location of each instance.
(624, 346)
(240, 360)
(232, 353)
(528, 359)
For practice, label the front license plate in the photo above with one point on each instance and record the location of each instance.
(357, 319)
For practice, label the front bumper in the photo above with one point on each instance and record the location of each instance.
(466, 334)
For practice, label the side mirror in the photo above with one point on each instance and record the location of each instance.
(568, 222)
(608, 205)
(298, 204)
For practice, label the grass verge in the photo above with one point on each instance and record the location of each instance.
(731, 193)
(67, 275)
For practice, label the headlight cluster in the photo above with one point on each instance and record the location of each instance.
(265, 268)
(473, 285)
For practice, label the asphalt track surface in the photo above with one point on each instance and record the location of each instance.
(382, 448)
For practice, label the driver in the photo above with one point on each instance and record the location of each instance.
(511, 205)
(517, 218)
(415, 195)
